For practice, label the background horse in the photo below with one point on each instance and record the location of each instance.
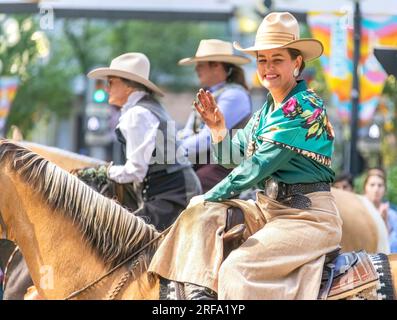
(66, 231)
(70, 235)
(363, 227)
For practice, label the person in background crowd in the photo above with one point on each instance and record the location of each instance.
(375, 190)
(219, 72)
(161, 181)
(344, 182)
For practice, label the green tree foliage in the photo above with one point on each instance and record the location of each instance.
(389, 133)
(392, 184)
(86, 43)
(95, 43)
(80, 45)
(18, 44)
(165, 43)
(46, 92)
(45, 78)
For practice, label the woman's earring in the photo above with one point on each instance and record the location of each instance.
(296, 72)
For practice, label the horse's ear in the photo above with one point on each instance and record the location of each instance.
(16, 134)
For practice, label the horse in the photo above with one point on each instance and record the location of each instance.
(77, 243)
(65, 230)
(363, 227)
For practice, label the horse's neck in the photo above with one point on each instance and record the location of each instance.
(52, 246)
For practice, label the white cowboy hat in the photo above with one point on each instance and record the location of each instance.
(215, 50)
(281, 30)
(133, 66)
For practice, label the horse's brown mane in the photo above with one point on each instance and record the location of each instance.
(114, 232)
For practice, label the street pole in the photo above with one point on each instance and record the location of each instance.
(355, 94)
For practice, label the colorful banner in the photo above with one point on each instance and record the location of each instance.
(336, 34)
(8, 90)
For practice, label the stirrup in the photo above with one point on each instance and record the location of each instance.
(195, 292)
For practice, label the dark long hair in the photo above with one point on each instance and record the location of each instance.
(295, 53)
(235, 74)
(137, 85)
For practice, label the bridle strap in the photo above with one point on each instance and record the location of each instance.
(3, 228)
(7, 267)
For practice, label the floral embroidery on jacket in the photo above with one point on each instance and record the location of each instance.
(300, 124)
(315, 121)
(292, 108)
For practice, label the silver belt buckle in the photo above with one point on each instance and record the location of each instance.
(271, 188)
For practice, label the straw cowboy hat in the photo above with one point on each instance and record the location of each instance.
(281, 30)
(215, 50)
(133, 66)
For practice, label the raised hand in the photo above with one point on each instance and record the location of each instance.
(211, 115)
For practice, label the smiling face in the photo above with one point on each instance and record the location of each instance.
(275, 69)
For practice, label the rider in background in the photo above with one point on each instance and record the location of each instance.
(219, 72)
(155, 173)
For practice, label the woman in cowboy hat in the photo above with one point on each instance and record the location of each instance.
(156, 172)
(285, 150)
(219, 71)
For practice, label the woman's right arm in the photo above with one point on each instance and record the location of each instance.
(230, 151)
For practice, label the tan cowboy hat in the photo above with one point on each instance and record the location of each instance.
(281, 30)
(133, 66)
(215, 50)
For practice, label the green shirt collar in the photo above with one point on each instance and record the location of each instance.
(301, 86)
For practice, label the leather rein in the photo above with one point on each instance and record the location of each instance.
(88, 286)
(3, 228)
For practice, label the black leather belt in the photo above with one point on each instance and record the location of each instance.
(294, 194)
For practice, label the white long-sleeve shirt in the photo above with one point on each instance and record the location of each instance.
(139, 128)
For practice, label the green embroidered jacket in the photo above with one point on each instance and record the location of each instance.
(294, 144)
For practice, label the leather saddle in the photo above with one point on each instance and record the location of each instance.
(344, 274)
(234, 230)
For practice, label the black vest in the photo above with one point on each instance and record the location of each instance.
(168, 155)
